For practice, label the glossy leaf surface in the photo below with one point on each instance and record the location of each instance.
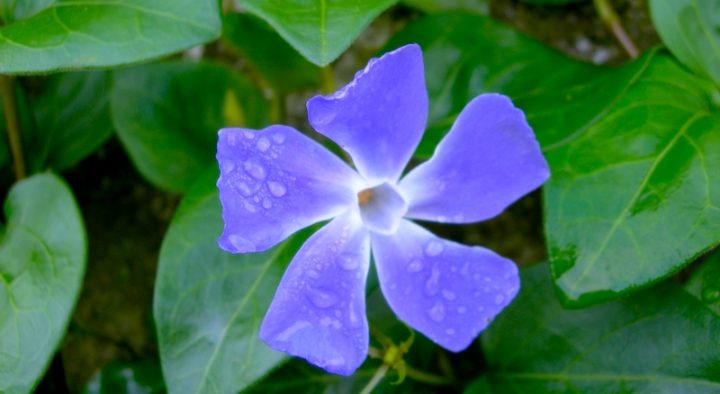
(72, 34)
(209, 304)
(691, 30)
(167, 116)
(659, 340)
(319, 29)
(42, 261)
(633, 194)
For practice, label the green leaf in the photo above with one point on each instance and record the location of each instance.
(72, 34)
(691, 30)
(319, 29)
(73, 118)
(552, 2)
(167, 116)
(42, 261)
(705, 282)
(633, 195)
(12, 10)
(269, 55)
(143, 377)
(660, 340)
(435, 6)
(209, 304)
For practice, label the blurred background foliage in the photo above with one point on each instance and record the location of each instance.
(109, 120)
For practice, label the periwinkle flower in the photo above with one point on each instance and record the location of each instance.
(275, 181)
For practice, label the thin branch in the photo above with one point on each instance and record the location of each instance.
(612, 21)
(379, 374)
(7, 92)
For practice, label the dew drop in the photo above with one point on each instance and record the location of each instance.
(499, 299)
(267, 204)
(330, 322)
(248, 134)
(458, 218)
(437, 312)
(414, 266)
(249, 206)
(322, 299)
(227, 166)
(277, 189)
(348, 261)
(255, 170)
(231, 139)
(278, 138)
(449, 295)
(434, 248)
(247, 189)
(263, 144)
(461, 310)
(241, 245)
(432, 286)
(450, 331)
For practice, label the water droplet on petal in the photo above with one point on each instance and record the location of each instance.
(434, 248)
(227, 166)
(499, 299)
(249, 206)
(449, 295)
(267, 204)
(255, 170)
(432, 286)
(461, 309)
(263, 144)
(242, 245)
(437, 312)
(278, 138)
(248, 189)
(248, 134)
(231, 139)
(450, 331)
(330, 322)
(277, 189)
(322, 299)
(348, 261)
(414, 266)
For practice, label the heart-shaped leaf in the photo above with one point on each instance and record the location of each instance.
(167, 116)
(71, 34)
(633, 151)
(660, 340)
(691, 30)
(319, 29)
(42, 261)
(209, 304)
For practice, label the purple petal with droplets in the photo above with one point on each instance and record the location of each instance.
(447, 291)
(380, 116)
(489, 159)
(274, 182)
(318, 312)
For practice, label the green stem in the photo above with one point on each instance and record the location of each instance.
(277, 108)
(425, 377)
(379, 374)
(7, 92)
(612, 21)
(328, 80)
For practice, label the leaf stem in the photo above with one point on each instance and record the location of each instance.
(377, 377)
(7, 92)
(327, 85)
(426, 377)
(611, 19)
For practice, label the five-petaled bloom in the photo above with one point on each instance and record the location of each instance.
(275, 181)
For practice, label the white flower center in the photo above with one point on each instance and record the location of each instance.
(381, 208)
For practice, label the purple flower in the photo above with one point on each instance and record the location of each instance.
(275, 181)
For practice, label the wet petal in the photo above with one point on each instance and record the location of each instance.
(447, 291)
(380, 116)
(274, 182)
(318, 312)
(489, 159)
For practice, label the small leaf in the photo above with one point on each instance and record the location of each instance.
(143, 377)
(633, 195)
(705, 282)
(660, 340)
(435, 6)
(209, 304)
(269, 55)
(73, 34)
(691, 30)
(73, 118)
(42, 261)
(319, 29)
(167, 116)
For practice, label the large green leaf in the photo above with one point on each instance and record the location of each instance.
(691, 29)
(634, 193)
(659, 341)
(209, 303)
(12, 10)
(42, 261)
(269, 55)
(72, 114)
(71, 34)
(167, 116)
(319, 29)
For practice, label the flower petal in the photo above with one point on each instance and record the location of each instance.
(489, 159)
(380, 116)
(318, 312)
(447, 291)
(274, 182)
